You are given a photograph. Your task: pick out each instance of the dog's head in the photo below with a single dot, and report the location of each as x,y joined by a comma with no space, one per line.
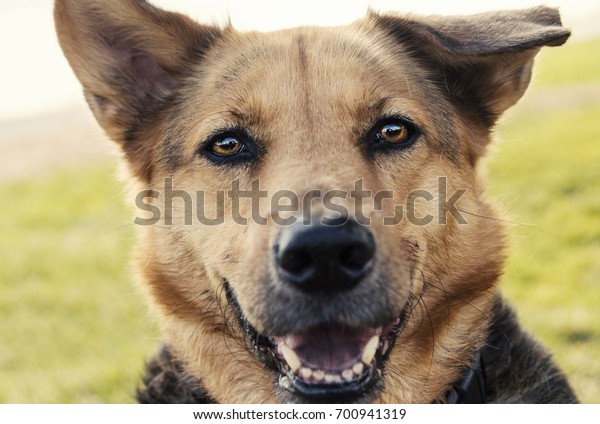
319,232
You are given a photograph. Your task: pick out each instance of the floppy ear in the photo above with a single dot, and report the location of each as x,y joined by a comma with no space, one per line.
130,58
482,61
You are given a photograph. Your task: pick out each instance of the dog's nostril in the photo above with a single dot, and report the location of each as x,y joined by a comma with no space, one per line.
295,261
355,257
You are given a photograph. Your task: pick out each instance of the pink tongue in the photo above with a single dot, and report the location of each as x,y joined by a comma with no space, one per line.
332,348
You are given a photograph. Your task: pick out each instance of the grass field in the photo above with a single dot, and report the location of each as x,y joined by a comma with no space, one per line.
73,328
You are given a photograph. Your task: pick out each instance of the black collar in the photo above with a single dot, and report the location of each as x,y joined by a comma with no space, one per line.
471,388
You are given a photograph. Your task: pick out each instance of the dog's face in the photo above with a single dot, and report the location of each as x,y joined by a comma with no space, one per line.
319,231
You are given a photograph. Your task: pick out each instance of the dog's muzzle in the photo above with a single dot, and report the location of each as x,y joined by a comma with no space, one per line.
331,361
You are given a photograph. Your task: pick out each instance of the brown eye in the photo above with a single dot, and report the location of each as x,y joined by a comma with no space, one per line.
227,146
394,132
230,147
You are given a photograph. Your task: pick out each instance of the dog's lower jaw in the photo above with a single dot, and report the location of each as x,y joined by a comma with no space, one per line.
371,396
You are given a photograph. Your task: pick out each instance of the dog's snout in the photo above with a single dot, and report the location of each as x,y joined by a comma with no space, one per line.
325,257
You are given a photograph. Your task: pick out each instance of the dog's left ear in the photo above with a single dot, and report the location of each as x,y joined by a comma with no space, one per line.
482,61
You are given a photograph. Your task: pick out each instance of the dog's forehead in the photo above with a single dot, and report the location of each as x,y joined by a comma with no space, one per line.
317,70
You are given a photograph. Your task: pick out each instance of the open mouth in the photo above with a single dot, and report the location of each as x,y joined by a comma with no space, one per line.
329,364
332,361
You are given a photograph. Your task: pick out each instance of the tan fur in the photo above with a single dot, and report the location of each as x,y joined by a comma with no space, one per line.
305,93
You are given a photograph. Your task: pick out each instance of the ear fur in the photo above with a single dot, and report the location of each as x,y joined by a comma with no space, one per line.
130,58
483,61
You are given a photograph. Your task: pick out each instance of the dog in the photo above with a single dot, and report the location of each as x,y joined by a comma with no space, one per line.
314,224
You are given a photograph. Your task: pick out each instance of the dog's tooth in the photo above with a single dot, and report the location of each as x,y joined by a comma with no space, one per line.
305,373
386,346
318,375
370,350
285,382
332,378
290,357
358,368
348,375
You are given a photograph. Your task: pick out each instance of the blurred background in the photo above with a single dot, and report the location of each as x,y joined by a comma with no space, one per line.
73,327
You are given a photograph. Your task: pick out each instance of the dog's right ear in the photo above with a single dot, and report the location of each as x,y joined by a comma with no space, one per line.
130,58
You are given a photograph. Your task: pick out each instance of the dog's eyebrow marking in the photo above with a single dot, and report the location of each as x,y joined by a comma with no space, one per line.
378,106
246,119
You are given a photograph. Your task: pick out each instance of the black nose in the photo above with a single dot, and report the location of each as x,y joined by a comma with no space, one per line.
325,257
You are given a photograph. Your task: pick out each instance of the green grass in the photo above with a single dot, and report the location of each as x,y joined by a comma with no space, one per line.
574,63
547,170
73,327
75,330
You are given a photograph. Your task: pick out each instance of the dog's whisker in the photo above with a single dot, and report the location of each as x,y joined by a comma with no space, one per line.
504,221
